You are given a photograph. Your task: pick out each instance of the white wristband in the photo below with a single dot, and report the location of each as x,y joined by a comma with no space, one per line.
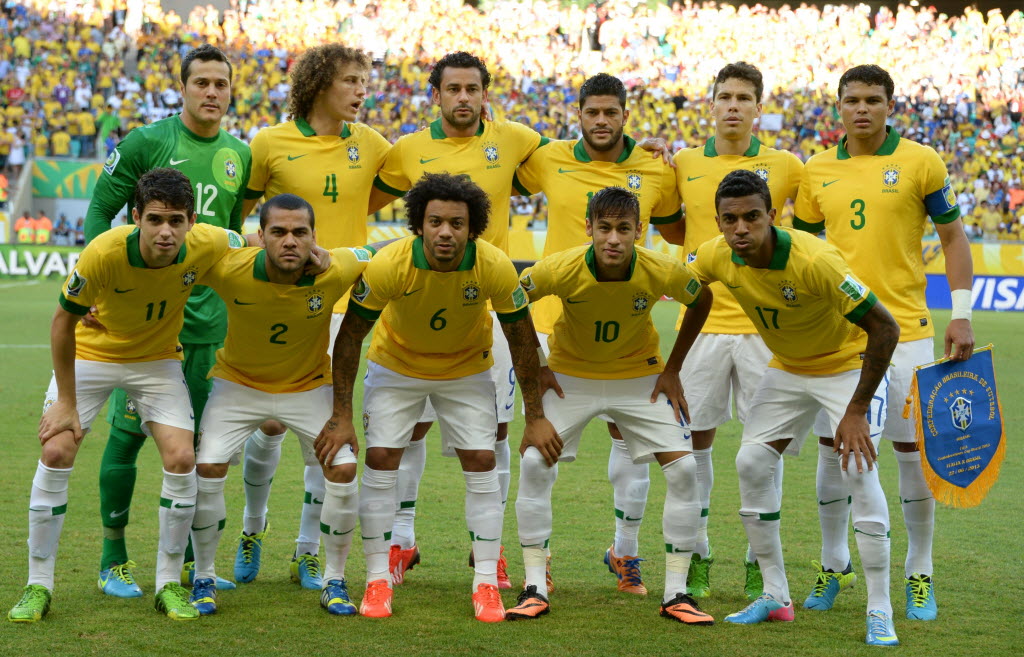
961,304
541,358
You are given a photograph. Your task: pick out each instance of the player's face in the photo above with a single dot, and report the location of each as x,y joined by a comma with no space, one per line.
864,109
288,239
445,233
345,96
162,231
734,108
461,97
614,237
746,225
601,120
207,93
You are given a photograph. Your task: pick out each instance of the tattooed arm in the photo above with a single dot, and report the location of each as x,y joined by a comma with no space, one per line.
522,342
339,431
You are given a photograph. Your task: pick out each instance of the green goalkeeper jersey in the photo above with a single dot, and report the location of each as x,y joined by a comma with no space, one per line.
219,169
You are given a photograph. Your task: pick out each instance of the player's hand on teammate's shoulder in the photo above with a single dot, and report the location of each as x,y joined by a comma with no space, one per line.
668,383
319,261
853,441
90,320
546,380
336,433
58,418
658,147
541,434
959,339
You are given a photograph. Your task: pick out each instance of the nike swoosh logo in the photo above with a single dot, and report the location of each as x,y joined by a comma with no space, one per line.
199,529
841,499
337,533
118,514
422,161
243,303
316,501
509,406
826,184
117,291
920,500
405,294
567,300
561,170
625,517
174,162
733,287
489,540
692,178
178,505
295,157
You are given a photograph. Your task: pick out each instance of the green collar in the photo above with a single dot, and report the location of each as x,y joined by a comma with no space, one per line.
591,261
783,244
259,271
581,155
135,252
888,147
308,131
437,130
752,150
419,259
184,128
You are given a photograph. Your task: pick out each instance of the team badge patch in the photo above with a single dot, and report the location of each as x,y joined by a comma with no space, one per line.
47,403
634,180
470,291
75,285
691,257
235,241
315,301
366,420
527,283
852,288
129,405
960,413
112,160
361,290
788,291
188,278
762,173
353,153
362,255
640,302
227,169
693,287
891,176
491,152
519,297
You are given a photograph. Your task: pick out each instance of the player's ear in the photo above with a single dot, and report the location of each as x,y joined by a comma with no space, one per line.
259,234
590,228
191,219
435,96
135,216
771,216
639,231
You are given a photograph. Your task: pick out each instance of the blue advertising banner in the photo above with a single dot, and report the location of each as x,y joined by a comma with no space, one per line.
988,292
959,427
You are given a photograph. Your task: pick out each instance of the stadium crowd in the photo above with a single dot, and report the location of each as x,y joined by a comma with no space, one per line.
66,89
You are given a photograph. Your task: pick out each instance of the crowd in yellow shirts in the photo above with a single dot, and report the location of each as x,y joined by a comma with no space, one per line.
64,87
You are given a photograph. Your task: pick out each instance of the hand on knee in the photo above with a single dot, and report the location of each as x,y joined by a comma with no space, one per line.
59,451
340,474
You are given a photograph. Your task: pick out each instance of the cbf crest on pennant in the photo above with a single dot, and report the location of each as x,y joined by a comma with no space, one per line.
959,424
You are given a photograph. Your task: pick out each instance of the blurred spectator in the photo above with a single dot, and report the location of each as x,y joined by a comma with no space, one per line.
43,228
25,229
62,231
79,234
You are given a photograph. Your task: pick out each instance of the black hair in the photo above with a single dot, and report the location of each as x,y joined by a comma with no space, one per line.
458,59
286,202
743,182
169,186
741,71
446,187
603,84
614,201
204,53
870,74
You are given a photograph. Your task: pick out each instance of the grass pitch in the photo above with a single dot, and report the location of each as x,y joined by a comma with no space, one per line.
977,551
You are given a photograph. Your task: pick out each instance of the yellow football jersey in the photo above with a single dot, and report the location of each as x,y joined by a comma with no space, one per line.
803,304
489,158
142,308
605,330
699,171
874,208
568,177
277,334
332,173
435,325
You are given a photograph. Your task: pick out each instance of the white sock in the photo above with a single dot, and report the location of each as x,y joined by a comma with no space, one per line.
177,509
337,524
630,483
833,510
533,515
779,469
376,514
410,471
308,541
208,524
262,454
679,522
918,513
503,464
705,480
760,512
47,506
871,529
484,520
535,563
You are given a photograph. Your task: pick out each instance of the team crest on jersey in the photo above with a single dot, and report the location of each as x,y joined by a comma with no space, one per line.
112,160
366,420
227,168
762,173
353,153
361,290
75,285
314,302
129,405
788,291
188,277
640,302
491,152
47,403
470,292
634,180
891,177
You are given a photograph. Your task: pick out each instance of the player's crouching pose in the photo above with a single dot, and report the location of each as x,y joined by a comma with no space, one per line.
274,366
804,301
434,342
138,278
604,349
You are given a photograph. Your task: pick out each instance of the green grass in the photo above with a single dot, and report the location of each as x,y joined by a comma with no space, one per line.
977,552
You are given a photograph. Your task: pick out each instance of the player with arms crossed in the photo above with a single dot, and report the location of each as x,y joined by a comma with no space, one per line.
604,351
274,365
139,279
873,194
434,342
218,166
323,156
729,357
570,174
831,340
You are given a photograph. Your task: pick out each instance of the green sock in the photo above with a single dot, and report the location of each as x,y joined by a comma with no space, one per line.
117,483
